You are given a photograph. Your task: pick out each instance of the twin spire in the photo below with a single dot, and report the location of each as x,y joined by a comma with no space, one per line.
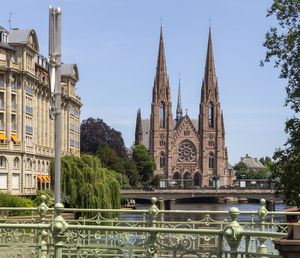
161,83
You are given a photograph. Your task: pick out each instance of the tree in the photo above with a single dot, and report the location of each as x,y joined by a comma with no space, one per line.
144,162
94,131
131,172
282,43
241,170
109,158
87,184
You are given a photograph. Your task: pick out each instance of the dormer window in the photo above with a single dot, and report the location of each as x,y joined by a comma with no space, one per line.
3,36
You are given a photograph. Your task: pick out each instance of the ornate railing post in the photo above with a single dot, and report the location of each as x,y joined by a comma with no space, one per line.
58,228
42,209
153,211
232,232
262,213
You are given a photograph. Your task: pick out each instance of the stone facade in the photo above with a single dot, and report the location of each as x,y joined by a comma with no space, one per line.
186,151
26,130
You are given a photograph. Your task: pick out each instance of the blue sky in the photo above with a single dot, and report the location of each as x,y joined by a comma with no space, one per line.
115,45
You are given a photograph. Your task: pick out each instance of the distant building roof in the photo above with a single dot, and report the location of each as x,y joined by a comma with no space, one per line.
252,163
2,29
67,70
18,36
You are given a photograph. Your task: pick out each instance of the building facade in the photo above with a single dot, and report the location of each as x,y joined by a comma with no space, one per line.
26,129
188,152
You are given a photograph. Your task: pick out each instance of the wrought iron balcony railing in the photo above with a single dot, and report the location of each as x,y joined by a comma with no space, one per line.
153,232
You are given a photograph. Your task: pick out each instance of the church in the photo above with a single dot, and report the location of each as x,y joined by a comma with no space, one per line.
188,152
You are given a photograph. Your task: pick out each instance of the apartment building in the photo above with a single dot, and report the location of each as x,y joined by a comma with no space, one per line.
26,129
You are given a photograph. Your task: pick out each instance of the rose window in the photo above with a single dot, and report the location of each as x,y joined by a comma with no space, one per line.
186,152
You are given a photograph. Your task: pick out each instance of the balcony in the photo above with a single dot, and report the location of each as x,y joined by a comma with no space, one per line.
28,129
14,106
29,109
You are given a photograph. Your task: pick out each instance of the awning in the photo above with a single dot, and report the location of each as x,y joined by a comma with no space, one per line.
40,178
45,179
49,178
15,138
2,136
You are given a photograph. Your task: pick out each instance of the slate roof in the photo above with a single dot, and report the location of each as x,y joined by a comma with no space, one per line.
6,46
18,36
2,28
67,69
252,163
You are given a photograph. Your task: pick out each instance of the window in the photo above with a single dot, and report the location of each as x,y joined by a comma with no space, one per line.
28,164
162,143
2,162
162,115
162,160
211,115
211,144
15,181
3,180
28,182
211,160
186,152
16,163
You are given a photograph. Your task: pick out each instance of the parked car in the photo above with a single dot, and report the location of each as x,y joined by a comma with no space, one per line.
147,187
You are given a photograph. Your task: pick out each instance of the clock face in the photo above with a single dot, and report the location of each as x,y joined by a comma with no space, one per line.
162,136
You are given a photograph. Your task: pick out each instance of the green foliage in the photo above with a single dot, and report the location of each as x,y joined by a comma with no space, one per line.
282,43
131,172
109,158
242,172
8,200
144,162
87,184
155,180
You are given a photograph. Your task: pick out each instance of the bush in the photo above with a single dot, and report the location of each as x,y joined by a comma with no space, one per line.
8,200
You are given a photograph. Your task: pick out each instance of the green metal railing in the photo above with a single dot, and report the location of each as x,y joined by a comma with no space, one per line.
152,233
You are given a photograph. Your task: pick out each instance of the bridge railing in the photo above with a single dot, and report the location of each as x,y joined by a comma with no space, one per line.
145,233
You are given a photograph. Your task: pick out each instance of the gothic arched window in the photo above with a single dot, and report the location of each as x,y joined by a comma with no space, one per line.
162,160
211,114
162,115
211,160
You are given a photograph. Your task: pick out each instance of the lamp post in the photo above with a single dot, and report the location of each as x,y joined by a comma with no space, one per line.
55,86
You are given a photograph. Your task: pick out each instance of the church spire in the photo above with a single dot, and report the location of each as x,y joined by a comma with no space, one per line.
161,83
210,74
138,129
179,107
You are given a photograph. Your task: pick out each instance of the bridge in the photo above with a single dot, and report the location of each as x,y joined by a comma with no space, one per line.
176,194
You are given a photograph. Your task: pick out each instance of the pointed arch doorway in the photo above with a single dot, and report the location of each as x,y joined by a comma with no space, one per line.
197,180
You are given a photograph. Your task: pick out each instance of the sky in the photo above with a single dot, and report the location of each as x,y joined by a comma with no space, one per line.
115,46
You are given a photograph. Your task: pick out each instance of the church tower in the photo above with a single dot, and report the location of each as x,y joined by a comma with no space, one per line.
211,127
161,119
138,129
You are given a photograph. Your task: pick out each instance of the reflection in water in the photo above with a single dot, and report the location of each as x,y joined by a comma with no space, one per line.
206,207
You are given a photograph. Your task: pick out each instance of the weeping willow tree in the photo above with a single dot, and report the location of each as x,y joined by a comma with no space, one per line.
87,184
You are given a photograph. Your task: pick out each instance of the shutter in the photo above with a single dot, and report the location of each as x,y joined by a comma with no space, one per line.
15,181
3,181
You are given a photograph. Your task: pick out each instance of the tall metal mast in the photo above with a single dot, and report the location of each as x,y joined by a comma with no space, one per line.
55,86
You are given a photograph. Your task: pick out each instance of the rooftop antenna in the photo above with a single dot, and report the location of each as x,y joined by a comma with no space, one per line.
9,20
